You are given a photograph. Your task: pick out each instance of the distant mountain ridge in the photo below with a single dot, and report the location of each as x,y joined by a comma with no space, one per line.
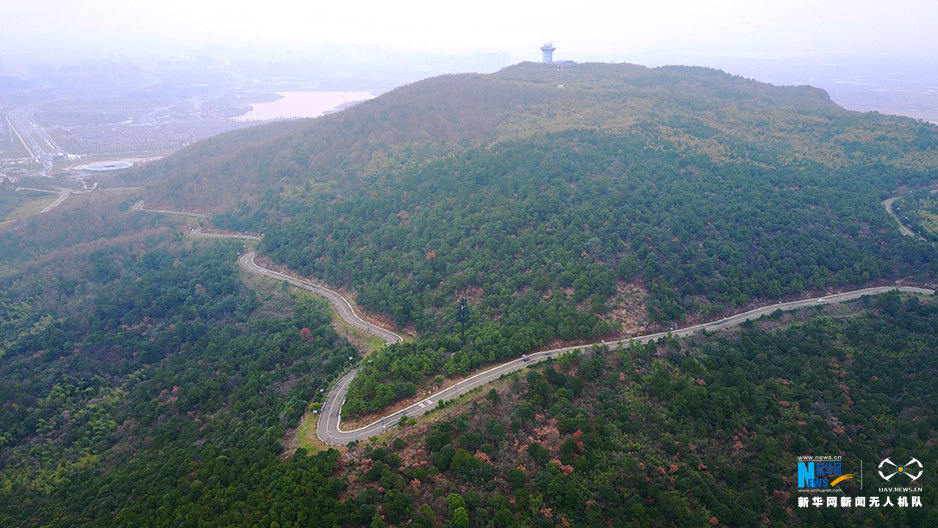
692,109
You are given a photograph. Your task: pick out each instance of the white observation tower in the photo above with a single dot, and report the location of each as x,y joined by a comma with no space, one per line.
548,50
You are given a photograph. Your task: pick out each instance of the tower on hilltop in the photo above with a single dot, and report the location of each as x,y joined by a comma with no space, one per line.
548,50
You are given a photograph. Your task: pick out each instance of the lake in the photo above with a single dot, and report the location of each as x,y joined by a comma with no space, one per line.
301,104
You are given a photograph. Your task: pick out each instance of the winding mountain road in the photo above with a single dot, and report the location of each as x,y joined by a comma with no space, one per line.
342,306
330,420
887,203
329,429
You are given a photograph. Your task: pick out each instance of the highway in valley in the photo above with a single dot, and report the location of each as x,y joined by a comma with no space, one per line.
329,428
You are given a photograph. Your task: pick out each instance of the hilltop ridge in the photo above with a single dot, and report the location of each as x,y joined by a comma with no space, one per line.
692,109
627,199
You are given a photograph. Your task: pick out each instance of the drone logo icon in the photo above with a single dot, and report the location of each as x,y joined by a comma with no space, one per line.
903,469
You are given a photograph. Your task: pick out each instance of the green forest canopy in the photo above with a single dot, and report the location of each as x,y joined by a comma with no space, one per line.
632,198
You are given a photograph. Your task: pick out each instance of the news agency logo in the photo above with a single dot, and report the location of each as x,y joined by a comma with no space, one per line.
888,469
818,476
821,473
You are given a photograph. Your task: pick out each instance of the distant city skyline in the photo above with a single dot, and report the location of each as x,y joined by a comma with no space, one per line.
591,30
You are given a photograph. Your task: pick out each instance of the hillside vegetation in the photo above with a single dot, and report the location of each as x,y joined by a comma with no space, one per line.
135,365
544,236
691,432
689,109
628,200
144,382
919,210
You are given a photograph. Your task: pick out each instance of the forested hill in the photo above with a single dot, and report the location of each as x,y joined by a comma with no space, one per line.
627,197
345,150
694,110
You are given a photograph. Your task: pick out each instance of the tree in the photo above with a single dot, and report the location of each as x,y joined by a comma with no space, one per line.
463,317
455,500
516,477
460,518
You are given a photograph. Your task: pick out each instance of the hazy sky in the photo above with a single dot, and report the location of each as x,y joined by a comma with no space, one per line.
582,30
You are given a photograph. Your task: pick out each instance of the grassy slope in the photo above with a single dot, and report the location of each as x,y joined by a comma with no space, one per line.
16,205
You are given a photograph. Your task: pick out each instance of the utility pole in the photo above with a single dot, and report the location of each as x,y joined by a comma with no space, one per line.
463,317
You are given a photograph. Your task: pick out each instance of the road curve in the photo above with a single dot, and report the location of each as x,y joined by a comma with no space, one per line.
330,420
329,429
336,397
64,193
61,191
341,305
887,203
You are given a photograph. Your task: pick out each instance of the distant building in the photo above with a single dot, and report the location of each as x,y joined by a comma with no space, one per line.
548,51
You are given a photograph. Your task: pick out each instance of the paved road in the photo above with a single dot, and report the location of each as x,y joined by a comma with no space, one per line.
342,306
23,140
197,232
329,428
35,138
64,193
36,189
61,191
887,203
139,207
